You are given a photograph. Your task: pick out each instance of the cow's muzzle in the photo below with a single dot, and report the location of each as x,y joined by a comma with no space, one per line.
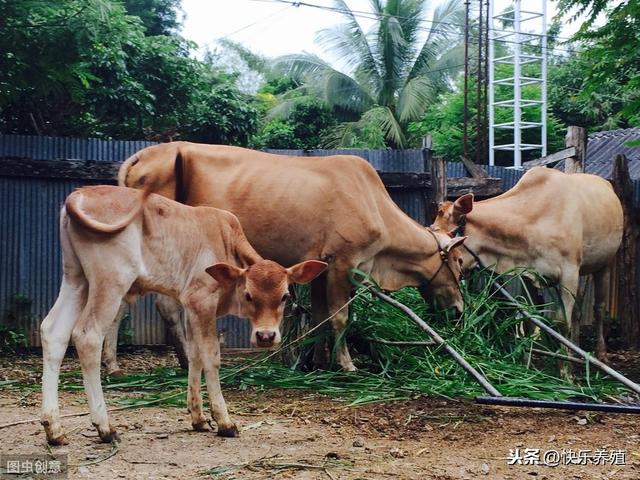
265,338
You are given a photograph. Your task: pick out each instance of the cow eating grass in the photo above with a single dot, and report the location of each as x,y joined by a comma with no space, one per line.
119,243
560,225
334,208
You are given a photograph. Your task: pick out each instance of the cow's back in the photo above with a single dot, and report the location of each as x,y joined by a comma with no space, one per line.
291,208
575,209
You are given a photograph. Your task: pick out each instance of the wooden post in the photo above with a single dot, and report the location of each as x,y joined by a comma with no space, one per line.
427,152
577,138
437,169
626,276
439,180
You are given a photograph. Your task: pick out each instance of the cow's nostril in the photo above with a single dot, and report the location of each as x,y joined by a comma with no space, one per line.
265,336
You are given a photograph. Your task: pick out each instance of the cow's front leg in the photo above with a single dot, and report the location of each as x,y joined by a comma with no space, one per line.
204,335
568,291
319,311
194,395
338,294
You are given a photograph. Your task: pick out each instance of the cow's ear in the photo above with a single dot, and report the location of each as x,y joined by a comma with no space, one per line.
304,272
224,273
463,204
453,243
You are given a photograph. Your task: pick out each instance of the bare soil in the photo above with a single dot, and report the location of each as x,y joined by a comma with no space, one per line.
298,435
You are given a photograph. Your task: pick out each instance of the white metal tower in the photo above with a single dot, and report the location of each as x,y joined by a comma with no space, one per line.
524,39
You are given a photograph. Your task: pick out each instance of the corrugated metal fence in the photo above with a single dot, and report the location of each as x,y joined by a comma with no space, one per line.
29,208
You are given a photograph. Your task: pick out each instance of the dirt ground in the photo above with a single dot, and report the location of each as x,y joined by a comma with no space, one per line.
297,435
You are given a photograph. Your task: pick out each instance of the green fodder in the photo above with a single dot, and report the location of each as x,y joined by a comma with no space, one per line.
486,335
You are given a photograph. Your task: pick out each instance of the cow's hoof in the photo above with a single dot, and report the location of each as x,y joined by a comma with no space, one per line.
58,441
230,432
350,368
602,356
118,372
200,426
109,437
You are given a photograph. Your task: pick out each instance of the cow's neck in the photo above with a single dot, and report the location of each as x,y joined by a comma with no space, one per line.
494,234
410,259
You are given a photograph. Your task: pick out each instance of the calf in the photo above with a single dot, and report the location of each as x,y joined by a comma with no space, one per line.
119,243
561,225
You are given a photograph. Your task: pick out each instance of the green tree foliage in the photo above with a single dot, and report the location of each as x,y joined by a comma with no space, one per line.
160,17
305,127
599,109
307,120
393,73
445,123
86,68
610,56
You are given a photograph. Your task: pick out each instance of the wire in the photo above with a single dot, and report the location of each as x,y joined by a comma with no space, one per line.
271,15
375,15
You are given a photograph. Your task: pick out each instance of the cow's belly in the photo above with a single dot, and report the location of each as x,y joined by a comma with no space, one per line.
286,243
598,255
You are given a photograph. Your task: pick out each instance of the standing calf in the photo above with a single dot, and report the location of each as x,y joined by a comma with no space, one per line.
118,243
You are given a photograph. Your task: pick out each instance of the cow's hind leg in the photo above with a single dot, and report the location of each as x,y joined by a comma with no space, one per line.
88,337
55,332
170,311
602,287
110,348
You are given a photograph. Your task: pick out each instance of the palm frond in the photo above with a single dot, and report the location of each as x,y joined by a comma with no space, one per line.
340,90
340,136
443,33
300,65
391,46
350,42
335,88
384,118
286,104
414,98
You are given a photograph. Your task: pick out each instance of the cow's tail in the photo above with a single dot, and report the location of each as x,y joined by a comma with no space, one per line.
123,172
73,206
178,174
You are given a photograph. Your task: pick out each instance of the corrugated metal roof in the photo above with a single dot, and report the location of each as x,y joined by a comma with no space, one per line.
603,146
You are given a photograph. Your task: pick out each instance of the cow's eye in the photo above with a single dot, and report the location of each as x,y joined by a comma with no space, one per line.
247,295
285,297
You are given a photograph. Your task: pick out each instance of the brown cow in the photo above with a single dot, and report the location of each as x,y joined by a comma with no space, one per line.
295,208
117,244
560,225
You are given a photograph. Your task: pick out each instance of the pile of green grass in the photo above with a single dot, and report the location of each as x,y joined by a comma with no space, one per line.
485,335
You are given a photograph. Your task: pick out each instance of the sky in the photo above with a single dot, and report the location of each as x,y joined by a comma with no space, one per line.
272,28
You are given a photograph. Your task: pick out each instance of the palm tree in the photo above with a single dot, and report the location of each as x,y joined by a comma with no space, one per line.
390,75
